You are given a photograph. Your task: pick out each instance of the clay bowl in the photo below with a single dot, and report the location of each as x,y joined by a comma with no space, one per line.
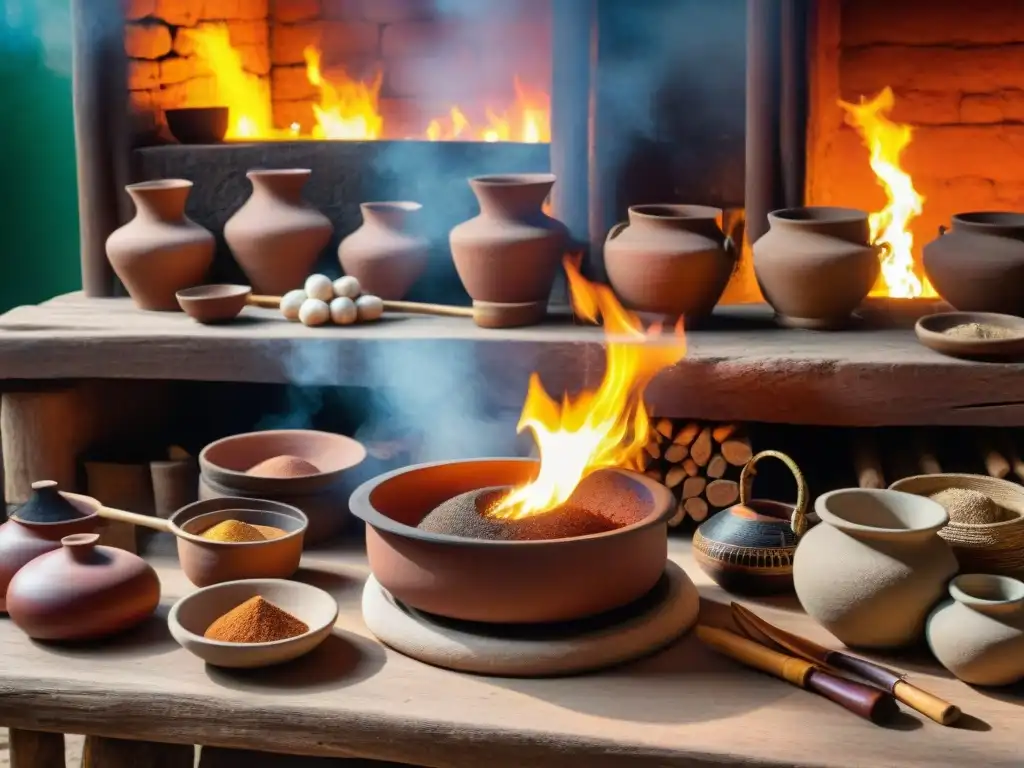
508,582
198,125
930,331
192,615
322,496
213,303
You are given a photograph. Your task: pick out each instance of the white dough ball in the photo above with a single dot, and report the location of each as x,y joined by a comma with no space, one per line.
319,287
347,287
314,312
343,311
369,308
291,302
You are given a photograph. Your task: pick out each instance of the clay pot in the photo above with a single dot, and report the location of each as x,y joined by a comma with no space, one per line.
276,236
978,635
670,259
323,497
511,252
749,547
22,541
161,251
978,265
874,567
384,254
506,581
816,264
82,591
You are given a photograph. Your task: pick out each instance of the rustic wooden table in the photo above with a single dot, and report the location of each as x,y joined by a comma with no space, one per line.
352,698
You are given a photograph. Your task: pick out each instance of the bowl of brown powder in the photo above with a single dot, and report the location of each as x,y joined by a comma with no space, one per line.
253,623
986,519
972,334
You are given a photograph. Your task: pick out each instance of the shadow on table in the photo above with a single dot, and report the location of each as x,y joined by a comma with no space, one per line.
150,638
342,659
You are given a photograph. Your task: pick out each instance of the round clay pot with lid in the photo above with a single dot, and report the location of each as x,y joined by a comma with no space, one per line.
816,264
874,566
161,251
670,259
82,591
511,252
978,634
978,264
386,254
22,541
276,236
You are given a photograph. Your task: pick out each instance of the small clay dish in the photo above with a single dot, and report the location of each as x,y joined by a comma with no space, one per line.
198,125
931,331
192,615
209,304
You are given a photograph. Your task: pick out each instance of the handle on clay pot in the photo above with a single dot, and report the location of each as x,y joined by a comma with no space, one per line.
798,522
616,230
133,518
882,249
943,229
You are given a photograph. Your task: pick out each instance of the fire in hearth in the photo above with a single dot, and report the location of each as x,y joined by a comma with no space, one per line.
886,141
348,109
606,427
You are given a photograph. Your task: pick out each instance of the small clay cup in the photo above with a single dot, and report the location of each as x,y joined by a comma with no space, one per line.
198,125
323,497
193,614
210,304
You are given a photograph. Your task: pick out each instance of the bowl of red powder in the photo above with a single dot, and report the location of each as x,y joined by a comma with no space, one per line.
253,623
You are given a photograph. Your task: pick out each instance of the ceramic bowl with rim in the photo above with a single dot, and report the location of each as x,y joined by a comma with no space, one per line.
510,582
210,304
198,125
931,331
193,614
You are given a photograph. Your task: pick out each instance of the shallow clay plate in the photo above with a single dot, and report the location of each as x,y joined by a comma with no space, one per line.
930,331
192,615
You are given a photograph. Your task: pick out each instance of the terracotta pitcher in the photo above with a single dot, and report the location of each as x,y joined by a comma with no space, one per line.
978,265
670,259
276,236
385,254
874,567
511,252
161,250
816,264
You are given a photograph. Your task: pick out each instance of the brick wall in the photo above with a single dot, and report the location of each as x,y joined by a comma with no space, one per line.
957,71
163,70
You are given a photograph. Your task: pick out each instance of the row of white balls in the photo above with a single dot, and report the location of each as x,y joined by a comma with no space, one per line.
341,302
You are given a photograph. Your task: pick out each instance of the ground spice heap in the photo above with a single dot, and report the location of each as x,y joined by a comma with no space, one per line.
46,505
981,331
969,507
255,621
282,467
236,531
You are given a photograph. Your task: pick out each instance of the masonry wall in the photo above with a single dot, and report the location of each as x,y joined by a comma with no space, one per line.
957,71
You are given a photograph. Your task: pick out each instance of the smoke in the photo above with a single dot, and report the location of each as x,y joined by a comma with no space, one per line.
37,28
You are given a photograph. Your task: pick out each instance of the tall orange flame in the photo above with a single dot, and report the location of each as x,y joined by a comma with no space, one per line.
606,427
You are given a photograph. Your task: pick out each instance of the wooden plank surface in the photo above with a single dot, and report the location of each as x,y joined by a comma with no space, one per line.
685,706
741,368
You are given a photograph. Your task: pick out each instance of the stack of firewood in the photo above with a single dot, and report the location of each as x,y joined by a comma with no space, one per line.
700,462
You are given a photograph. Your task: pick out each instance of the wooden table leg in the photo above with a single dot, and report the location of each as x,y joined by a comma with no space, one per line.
117,753
33,749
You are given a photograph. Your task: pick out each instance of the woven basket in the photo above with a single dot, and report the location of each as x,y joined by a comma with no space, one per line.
991,548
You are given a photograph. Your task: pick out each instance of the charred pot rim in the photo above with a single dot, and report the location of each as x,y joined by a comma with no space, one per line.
663,211
662,504
815,214
995,220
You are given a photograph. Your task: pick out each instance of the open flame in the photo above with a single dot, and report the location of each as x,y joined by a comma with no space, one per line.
606,427
886,141
348,109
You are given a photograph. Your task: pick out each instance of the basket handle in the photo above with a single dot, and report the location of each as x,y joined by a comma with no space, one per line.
798,522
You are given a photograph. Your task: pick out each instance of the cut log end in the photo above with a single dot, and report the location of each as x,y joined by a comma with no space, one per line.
737,451
701,449
722,493
716,467
696,508
675,453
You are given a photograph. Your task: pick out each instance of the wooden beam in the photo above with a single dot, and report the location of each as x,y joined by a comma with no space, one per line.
32,749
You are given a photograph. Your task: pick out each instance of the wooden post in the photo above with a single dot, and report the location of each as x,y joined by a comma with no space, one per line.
99,84
117,753
34,749
762,113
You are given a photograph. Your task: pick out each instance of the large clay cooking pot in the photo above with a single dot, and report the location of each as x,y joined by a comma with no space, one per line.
511,252
816,264
873,568
978,265
670,259
506,581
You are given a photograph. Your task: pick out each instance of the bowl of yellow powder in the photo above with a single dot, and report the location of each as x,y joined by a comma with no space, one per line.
254,622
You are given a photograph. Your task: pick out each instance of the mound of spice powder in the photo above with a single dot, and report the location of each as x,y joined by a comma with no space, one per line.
283,467
255,621
236,531
981,331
